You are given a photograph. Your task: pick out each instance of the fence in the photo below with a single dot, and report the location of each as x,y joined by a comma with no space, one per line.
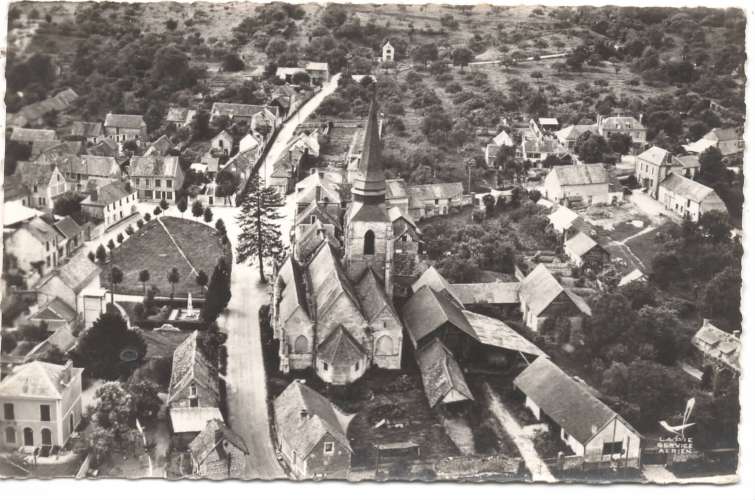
496,467
581,463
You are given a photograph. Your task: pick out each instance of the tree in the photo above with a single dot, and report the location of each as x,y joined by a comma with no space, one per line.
111,244
260,233
591,148
202,279
171,24
145,399
120,238
116,277
218,292
182,205
212,343
720,297
715,225
91,256
666,269
461,57
101,254
711,166
208,215
109,349
620,143
147,217
144,279
164,204
197,209
157,211
232,62
220,226
424,53
173,279
113,410
68,203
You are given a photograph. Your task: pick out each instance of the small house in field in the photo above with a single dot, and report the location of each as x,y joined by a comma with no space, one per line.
388,52
593,431
442,377
582,250
688,198
727,140
123,128
312,433
578,184
218,453
223,143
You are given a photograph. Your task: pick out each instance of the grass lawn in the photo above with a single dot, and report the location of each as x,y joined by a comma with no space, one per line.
646,247
161,245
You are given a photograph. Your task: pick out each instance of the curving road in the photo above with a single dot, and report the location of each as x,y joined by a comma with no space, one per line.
246,381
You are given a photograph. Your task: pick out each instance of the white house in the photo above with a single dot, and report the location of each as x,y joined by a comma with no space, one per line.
222,142
655,164
110,203
389,52
588,182
688,198
591,429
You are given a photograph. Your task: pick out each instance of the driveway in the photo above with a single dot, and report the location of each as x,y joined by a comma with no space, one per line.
652,208
532,460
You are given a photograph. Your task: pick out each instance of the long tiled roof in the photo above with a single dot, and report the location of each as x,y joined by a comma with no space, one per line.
32,135
242,110
693,190
86,129
191,366
303,417
37,380
154,166
107,194
124,121
77,273
495,332
568,402
192,419
395,188
329,282
579,175
498,292
421,194
293,294
340,349
427,310
372,297
540,288
432,278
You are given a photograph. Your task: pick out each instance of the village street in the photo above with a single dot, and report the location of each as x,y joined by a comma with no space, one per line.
247,387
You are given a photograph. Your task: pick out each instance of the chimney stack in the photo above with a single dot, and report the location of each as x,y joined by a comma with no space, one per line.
705,321
67,373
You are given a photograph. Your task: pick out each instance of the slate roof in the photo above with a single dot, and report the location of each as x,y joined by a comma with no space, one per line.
579,175
370,177
192,419
441,374
328,281
14,188
621,123
154,166
38,147
76,274
427,310
718,344
36,379
34,111
211,438
580,244
68,227
371,292
240,110
190,365
95,166
124,121
432,278
689,189
32,135
53,310
87,129
107,194
494,332
497,292
293,294
540,288
40,229
395,188
568,402
503,139
339,348
572,132
654,155
105,147
303,417
161,146
422,194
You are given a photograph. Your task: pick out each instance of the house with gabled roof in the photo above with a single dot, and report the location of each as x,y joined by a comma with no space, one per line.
568,135
717,354
432,278
542,296
588,426
194,380
442,378
34,114
218,452
312,433
41,405
586,183
34,243
388,52
91,132
124,128
627,125
428,200
180,116
655,164
160,146
110,203
688,198
31,135
253,114
72,233
156,177
54,313
44,182
727,140
222,142
69,281
582,250
100,169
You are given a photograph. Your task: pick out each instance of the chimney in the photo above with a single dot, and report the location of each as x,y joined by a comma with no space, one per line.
318,193
321,174
706,322
303,414
67,373
640,118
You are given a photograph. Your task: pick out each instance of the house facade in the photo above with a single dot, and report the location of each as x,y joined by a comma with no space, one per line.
542,296
627,125
655,164
35,245
587,184
156,177
44,182
388,52
688,198
218,453
90,168
124,128
69,281
110,203
41,405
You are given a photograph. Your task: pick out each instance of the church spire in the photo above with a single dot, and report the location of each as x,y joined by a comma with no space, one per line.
369,181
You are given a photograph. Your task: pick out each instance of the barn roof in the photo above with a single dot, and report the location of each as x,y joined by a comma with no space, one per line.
427,310
441,375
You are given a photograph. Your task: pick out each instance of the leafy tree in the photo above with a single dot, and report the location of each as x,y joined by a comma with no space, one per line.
91,256
260,234
101,254
232,62
715,225
218,292
424,53
461,57
173,279
620,143
721,297
144,395
147,217
114,411
107,350
666,269
711,166
69,203
197,209
120,238
111,244
171,24
211,342
116,277
52,355
144,279
157,211
164,204
591,148
220,226
208,215
182,205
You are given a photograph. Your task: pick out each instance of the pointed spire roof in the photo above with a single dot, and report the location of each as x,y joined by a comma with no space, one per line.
369,181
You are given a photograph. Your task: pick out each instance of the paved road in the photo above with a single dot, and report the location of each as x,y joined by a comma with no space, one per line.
246,380
532,460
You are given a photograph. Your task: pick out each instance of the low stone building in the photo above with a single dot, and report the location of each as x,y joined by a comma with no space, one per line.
583,251
580,184
688,198
218,453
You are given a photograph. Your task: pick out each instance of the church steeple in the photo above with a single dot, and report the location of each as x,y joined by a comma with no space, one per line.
368,185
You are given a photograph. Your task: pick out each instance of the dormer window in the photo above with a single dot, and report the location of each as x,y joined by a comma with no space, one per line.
328,448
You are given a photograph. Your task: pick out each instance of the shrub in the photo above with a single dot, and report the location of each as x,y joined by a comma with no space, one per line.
157,211
140,223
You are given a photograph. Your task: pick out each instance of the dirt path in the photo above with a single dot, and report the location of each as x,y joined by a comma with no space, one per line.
532,460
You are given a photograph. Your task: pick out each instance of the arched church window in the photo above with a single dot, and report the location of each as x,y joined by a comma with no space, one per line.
301,345
369,243
385,346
